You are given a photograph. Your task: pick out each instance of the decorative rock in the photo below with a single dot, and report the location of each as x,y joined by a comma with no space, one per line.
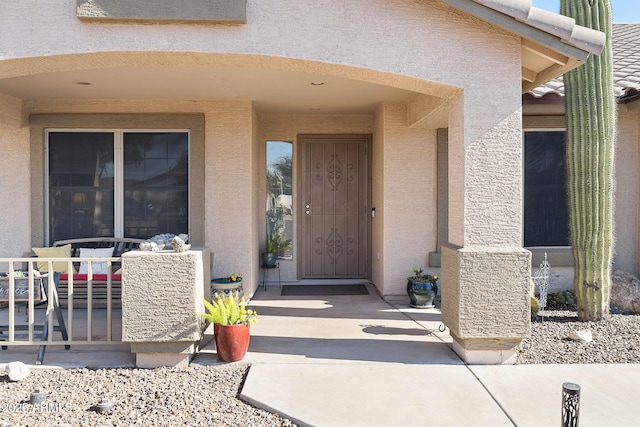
104,406
17,371
179,245
37,397
584,336
625,292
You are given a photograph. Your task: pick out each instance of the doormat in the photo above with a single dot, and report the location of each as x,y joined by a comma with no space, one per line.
313,290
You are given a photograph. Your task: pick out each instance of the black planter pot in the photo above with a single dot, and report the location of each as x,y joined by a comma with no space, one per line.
269,259
422,292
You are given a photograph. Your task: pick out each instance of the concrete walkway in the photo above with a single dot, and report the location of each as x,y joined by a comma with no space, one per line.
360,361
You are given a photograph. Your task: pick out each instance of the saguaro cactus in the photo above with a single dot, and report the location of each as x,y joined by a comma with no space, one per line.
591,136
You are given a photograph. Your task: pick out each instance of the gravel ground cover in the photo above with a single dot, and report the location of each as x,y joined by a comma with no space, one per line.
191,396
615,340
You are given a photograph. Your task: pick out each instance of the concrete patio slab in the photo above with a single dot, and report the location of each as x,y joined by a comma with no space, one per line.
532,394
373,395
340,329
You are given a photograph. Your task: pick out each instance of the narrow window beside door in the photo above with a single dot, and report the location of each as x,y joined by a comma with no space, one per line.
279,208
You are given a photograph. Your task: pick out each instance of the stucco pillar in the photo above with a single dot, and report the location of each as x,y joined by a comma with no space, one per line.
231,198
485,270
162,295
485,302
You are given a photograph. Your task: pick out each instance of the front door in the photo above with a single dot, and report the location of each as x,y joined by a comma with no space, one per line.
335,211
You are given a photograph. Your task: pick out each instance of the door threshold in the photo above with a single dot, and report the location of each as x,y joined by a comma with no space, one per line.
330,281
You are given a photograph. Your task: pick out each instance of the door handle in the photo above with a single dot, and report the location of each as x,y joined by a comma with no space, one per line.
307,208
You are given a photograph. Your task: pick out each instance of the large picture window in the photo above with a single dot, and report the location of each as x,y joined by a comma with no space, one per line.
546,218
117,183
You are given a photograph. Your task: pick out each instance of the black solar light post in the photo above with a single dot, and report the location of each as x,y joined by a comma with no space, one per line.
570,404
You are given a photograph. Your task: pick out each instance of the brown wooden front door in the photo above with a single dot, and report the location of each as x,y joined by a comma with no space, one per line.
335,211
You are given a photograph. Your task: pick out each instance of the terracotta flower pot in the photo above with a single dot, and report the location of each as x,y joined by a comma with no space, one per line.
232,341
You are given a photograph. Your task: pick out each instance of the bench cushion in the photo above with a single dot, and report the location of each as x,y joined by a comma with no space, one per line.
57,252
98,267
96,278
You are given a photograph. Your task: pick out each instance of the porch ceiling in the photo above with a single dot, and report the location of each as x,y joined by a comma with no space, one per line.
272,91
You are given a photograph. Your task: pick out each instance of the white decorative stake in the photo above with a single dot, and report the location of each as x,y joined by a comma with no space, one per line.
541,280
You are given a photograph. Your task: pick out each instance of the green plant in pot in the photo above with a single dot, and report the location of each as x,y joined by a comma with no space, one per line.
422,288
231,325
275,243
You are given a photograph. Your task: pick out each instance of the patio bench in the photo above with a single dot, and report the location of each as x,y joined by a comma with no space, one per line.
99,279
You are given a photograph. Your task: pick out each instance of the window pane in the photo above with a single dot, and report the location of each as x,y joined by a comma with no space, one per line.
156,184
280,191
80,185
546,215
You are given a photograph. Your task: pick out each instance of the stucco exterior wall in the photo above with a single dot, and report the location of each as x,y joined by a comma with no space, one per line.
229,183
356,33
485,163
627,192
409,207
15,224
377,199
167,308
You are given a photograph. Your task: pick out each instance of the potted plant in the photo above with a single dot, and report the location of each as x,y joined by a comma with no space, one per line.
231,321
275,243
223,286
422,288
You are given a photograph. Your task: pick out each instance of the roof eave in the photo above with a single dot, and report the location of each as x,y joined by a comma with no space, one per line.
542,67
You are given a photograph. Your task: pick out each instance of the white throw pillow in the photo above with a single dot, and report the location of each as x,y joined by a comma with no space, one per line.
96,267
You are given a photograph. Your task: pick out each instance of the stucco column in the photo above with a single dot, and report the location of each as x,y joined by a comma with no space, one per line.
162,295
485,302
485,270
232,228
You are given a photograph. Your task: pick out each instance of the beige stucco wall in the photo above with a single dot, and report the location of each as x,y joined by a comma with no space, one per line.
15,224
406,196
167,308
377,199
229,195
485,173
627,192
329,33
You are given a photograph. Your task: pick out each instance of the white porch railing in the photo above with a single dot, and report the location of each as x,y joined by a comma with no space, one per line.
22,285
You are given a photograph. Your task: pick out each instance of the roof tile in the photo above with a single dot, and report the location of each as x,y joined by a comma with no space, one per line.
560,26
626,62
